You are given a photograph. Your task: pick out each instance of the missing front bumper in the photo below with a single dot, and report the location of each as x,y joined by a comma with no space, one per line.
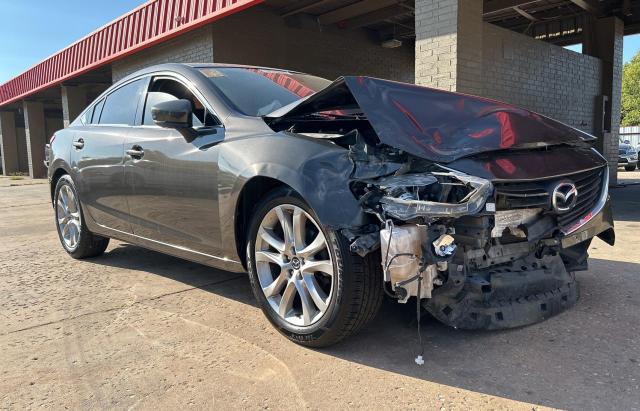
507,297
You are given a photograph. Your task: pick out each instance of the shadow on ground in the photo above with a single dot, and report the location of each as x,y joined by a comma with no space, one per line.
575,360
626,197
626,203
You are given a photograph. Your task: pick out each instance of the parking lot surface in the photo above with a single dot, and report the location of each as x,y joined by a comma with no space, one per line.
138,329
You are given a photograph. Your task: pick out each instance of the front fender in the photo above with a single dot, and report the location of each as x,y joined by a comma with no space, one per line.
58,164
323,184
319,172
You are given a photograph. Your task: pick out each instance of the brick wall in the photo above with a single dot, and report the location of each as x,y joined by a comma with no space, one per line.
611,144
448,48
258,36
436,43
470,47
550,80
193,47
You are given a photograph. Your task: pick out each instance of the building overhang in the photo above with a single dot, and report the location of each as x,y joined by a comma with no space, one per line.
561,22
152,22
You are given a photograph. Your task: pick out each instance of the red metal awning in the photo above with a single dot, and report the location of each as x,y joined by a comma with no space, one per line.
151,23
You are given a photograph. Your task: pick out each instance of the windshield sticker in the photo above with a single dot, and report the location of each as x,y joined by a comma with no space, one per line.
211,72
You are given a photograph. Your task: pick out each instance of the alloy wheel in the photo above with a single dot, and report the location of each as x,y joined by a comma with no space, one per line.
68,217
294,265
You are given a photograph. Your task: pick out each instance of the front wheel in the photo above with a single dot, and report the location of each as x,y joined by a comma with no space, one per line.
307,282
630,168
74,235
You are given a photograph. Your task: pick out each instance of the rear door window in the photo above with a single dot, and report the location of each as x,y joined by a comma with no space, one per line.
121,105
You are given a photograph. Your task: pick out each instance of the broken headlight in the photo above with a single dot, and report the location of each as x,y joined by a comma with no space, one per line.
428,195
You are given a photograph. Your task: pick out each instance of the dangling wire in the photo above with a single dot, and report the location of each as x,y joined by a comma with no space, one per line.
389,225
419,359
386,265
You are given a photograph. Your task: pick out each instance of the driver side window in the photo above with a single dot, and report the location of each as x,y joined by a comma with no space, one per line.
164,89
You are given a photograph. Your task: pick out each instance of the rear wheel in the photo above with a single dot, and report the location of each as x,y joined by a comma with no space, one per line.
74,235
307,282
630,168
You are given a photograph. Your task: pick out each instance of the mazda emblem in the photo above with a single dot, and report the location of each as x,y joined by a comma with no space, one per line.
564,196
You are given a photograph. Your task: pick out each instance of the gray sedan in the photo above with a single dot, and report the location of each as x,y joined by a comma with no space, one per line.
333,194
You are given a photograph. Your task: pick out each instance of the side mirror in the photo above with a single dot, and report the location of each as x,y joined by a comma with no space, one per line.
173,114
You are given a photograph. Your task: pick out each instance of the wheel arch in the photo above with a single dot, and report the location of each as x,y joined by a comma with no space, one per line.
318,176
253,191
55,176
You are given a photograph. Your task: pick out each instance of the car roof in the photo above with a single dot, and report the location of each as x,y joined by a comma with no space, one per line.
231,65
186,67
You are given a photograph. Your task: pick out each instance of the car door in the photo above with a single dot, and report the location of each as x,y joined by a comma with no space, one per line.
98,156
174,189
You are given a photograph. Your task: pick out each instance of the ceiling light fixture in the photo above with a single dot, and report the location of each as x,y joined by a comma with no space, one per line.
391,43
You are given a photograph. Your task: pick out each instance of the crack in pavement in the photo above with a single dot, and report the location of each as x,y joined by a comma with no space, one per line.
122,307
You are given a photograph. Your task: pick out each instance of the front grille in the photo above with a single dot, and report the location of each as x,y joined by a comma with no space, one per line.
589,184
521,195
537,194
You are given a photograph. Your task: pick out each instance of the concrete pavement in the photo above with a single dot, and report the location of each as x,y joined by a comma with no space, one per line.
137,329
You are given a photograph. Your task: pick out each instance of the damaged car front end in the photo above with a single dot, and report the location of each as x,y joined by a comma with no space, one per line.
482,210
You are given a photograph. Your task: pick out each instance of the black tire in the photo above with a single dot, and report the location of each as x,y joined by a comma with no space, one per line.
629,168
357,293
88,244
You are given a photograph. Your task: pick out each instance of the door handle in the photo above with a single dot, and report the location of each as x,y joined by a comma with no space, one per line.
135,152
78,144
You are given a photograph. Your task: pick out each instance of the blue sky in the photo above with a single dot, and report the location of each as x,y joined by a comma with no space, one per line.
32,30
631,47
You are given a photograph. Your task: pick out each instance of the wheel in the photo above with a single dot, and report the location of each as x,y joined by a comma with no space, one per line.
630,168
305,279
74,235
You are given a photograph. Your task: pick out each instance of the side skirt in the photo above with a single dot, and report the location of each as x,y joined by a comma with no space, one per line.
222,263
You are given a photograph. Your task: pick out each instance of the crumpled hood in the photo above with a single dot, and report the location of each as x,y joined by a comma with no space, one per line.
434,124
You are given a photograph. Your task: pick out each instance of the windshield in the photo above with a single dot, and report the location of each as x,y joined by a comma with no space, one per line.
257,91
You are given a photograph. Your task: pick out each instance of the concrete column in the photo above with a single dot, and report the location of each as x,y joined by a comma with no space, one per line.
35,134
449,44
23,157
9,143
52,124
604,40
74,100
